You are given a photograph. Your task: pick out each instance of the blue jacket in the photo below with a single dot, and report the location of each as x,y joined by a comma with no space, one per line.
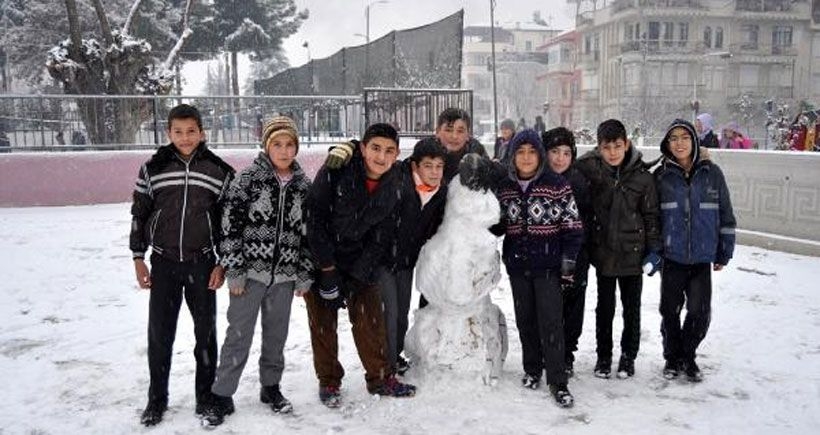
697,222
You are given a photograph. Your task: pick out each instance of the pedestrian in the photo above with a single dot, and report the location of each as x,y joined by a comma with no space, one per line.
704,124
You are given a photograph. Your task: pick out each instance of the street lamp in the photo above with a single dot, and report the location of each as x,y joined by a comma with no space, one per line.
307,47
367,38
492,49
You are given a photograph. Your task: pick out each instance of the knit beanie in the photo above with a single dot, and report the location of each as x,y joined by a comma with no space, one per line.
559,136
280,125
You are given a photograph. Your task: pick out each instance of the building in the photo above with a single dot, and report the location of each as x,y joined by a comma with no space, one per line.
562,79
649,61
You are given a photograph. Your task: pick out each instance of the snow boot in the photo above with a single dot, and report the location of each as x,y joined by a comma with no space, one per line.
153,412
562,396
671,369
603,368
394,388
626,368
219,407
691,370
531,381
330,396
272,395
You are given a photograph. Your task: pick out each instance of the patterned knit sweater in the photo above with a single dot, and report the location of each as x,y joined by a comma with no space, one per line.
264,232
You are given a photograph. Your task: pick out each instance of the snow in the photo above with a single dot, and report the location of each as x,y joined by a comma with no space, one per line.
73,352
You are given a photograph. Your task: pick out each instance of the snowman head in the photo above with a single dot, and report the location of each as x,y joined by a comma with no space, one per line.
469,198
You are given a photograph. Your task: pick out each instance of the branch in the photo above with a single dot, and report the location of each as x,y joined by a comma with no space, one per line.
131,14
106,28
186,32
186,16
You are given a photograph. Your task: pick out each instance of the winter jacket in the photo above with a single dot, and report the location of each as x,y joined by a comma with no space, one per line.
710,140
454,158
264,236
625,204
349,228
580,190
541,223
500,150
697,222
416,224
176,204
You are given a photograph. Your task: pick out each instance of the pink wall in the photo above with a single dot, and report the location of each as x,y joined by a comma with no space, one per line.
91,177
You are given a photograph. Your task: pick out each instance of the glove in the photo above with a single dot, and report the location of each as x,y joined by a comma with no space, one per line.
340,154
330,289
651,263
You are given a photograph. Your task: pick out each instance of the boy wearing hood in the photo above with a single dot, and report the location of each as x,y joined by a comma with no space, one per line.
622,238
698,230
543,233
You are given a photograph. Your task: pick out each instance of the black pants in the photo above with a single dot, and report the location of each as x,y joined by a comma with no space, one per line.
574,299
605,312
691,284
539,318
168,279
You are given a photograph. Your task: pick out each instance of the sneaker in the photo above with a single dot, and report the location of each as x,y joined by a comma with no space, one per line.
692,371
153,412
671,369
216,411
562,396
626,368
402,365
531,381
603,368
394,388
272,395
330,396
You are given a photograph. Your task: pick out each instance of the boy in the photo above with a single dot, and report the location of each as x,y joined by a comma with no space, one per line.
351,223
507,130
692,190
622,238
176,205
543,234
420,215
561,153
267,261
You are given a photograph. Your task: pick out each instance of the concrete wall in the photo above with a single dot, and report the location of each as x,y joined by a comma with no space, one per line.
776,195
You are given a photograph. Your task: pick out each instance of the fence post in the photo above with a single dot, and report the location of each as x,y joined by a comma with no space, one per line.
42,123
156,120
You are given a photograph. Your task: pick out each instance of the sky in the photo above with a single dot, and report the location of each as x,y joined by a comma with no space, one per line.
73,347
333,24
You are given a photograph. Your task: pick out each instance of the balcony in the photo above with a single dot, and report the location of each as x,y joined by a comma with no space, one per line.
620,5
561,68
763,5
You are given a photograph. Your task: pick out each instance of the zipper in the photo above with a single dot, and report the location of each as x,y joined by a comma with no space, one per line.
688,204
154,225
210,229
184,207
280,224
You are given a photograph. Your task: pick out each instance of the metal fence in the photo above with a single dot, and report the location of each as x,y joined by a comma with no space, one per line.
124,122
79,122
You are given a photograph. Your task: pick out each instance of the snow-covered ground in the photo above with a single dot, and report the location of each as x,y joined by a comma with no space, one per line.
73,354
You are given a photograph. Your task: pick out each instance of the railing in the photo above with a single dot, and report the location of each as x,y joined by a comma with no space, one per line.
620,5
763,5
413,112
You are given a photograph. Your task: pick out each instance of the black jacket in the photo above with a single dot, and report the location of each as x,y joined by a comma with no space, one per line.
710,140
626,222
176,209
416,224
454,158
346,226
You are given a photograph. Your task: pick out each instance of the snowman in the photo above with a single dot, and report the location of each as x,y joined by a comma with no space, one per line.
461,330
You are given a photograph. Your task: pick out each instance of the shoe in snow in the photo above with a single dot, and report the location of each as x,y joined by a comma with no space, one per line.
692,371
671,369
216,411
531,381
568,367
402,365
562,396
330,396
626,368
394,388
272,395
153,412
603,368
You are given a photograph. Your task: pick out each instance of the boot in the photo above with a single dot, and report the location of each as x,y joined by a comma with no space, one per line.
272,395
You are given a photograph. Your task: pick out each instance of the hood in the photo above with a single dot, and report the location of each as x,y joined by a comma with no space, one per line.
531,137
707,122
692,132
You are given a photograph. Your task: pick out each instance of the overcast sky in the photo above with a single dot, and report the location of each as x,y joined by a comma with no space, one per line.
334,23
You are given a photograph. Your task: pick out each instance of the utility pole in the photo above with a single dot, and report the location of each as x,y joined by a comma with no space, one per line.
492,49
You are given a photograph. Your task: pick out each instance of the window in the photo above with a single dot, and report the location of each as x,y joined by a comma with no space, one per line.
596,46
654,34
718,37
668,33
781,39
683,34
749,76
707,37
748,36
528,46
629,30
587,44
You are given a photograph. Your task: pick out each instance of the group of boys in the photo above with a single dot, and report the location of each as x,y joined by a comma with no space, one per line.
365,219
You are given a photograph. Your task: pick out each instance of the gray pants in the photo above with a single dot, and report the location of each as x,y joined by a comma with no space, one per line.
396,292
274,302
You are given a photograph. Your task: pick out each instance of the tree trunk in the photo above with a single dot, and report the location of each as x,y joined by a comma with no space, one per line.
104,26
73,28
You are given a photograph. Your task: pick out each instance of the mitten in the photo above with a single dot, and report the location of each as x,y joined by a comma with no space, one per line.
651,263
340,154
